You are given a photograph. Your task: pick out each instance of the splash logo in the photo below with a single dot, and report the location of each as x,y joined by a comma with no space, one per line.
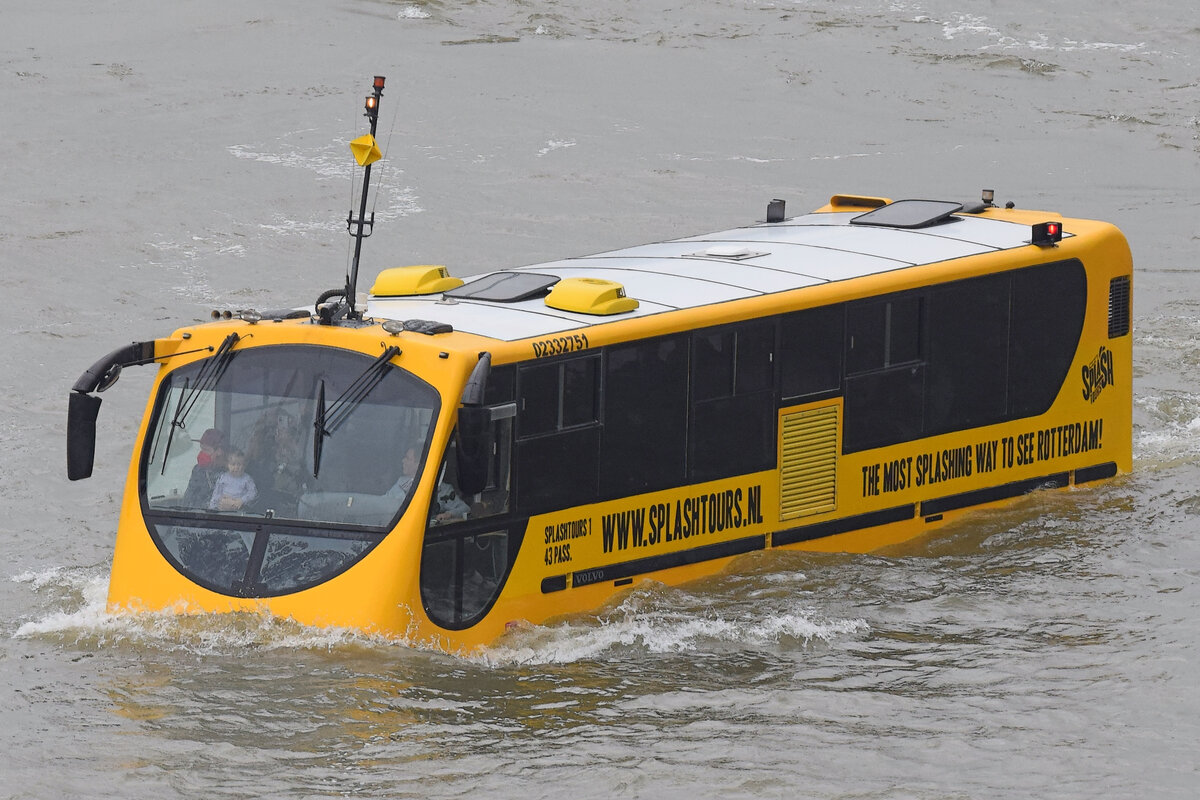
1098,374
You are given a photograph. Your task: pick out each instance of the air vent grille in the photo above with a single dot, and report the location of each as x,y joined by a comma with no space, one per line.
1118,307
808,457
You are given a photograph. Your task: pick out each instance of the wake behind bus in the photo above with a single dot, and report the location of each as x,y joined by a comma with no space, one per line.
458,456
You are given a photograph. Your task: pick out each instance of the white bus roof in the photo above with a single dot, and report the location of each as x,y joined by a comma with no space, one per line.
714,268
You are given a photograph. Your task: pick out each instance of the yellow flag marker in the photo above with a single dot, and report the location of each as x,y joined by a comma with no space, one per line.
365,150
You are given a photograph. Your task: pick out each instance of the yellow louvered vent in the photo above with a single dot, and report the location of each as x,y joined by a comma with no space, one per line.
808,462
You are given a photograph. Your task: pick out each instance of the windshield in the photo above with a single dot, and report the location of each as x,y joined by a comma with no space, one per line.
317,448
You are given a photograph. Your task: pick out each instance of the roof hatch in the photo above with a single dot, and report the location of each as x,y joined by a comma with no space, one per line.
909,214
505,287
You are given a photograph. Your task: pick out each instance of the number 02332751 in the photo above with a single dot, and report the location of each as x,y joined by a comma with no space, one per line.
559,345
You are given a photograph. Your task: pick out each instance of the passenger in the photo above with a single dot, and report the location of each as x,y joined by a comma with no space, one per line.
408,473
273,457
210,463
446,506
212,449
234,488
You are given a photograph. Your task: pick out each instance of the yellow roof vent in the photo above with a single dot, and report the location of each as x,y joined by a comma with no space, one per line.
420,279
590,296
844,202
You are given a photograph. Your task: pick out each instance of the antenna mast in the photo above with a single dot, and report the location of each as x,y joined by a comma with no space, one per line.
366,152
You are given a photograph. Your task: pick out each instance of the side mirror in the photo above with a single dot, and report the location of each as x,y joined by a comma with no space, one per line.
109,378
81,434
82,407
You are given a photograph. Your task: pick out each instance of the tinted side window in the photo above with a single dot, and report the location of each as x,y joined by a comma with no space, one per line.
559,395
968,354
754,367
731,427
904,330
883,407
644,445
501,385
810,351
537,405
884,391
732,436
865,330
883,333
579,384
712,364
1048,304
461,575
558,447
558,471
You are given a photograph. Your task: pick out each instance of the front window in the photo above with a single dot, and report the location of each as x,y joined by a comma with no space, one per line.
271,469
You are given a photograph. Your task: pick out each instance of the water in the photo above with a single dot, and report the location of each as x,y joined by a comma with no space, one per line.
161,160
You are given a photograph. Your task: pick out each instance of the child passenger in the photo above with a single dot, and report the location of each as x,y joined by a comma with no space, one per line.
234,488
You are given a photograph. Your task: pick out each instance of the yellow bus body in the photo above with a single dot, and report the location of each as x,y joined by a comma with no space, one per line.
816,497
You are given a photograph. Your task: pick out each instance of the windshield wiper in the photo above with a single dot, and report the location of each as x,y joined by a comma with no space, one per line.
209,374
319,433
327,420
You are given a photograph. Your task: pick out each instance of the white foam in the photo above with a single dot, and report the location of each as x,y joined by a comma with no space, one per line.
556,144
639,622
330,161
413,12
89,592
1175,430
962,25
840,156
282,225
658,632
83,615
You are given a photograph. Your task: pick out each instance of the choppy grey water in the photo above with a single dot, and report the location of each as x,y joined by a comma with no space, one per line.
162,159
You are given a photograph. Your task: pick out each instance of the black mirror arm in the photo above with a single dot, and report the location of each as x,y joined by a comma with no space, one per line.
100,376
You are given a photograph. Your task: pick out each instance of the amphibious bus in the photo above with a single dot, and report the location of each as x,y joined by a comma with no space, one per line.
465,455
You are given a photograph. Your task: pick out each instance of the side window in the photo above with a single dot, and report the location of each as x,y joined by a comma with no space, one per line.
1048,306
883,333
451,504
558,433
885,372
496,496
580,404
644,443
866,326
731,427
883,407
556,396
712,364
754,359
462,575
810,351
967,375
538,404
501,385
